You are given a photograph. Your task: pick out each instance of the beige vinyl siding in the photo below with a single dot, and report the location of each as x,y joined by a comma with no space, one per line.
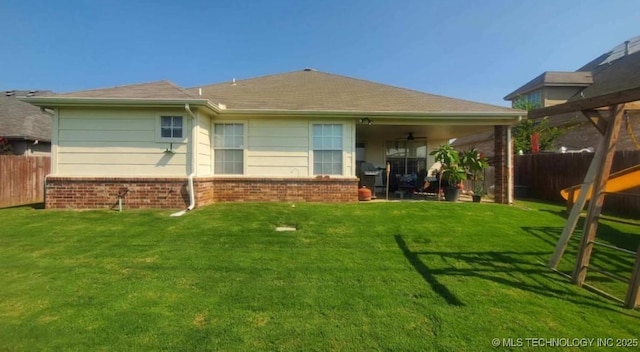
204,145
374,152
118,142
282,148
559,95
278,148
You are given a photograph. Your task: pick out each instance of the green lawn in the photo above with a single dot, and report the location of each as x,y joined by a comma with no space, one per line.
409,276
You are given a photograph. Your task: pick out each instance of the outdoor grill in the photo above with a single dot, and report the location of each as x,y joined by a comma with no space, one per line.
368,174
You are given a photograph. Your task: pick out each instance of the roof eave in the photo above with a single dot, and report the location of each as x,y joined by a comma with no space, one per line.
506,115
515,94
51,102
26,138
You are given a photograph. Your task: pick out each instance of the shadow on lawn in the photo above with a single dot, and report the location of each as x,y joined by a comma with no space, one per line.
34,206
522,270
606,233
615,262
427,274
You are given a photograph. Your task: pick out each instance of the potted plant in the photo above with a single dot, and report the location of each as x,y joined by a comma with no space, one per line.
450,170
474,163
478,192
454,175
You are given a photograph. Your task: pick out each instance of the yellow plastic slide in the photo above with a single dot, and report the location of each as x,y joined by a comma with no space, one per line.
618,182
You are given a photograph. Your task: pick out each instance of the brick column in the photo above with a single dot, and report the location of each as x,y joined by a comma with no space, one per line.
501,190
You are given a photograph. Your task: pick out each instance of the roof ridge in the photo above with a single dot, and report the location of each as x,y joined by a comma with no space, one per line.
244,79
118,86
181,89
356,79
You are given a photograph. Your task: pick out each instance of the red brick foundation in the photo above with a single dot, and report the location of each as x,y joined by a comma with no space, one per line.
94,192
284,189
103,192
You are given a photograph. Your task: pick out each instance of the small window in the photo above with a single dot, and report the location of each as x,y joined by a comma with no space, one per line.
327,149
171,127
228,144
535,98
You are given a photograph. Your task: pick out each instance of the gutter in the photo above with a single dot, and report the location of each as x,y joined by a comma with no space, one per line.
48,102
506,115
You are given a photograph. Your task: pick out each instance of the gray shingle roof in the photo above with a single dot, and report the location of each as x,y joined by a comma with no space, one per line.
305,90
613,71
553,78
318,91
151,90
21,93
23,120
621,74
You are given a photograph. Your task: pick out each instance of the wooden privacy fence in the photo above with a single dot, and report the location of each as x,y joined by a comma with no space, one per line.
22,179
543,175
487,183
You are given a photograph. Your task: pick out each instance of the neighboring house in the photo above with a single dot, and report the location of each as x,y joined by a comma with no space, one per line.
616,70
26,128
296,136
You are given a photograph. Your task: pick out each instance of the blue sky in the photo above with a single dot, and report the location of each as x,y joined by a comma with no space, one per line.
475,50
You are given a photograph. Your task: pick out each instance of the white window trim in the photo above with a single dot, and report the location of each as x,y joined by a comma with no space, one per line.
245,149
186,129
345,141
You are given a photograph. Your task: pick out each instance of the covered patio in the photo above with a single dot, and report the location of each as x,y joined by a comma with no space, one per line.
404,143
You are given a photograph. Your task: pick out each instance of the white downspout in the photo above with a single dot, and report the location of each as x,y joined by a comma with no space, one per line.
194,161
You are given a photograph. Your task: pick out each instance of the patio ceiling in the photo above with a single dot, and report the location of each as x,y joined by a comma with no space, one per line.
431,132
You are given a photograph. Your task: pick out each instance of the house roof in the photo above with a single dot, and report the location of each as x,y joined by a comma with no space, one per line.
311,90
616,70
21,93
474,138
20,120
623,49
150,90
551,79
151,94
306,92
614,76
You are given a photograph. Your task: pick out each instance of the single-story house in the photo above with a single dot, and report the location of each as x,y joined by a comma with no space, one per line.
616,70
296,136
24,128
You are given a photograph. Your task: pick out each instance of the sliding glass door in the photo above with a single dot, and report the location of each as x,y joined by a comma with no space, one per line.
407,156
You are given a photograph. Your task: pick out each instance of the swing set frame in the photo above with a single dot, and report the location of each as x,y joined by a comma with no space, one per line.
616,105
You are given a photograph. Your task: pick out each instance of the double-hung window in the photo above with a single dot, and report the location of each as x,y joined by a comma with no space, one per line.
327,149
228,144
171,127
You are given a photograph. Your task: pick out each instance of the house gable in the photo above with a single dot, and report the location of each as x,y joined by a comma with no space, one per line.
311,90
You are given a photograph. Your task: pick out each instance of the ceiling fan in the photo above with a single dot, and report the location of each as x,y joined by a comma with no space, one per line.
411,137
